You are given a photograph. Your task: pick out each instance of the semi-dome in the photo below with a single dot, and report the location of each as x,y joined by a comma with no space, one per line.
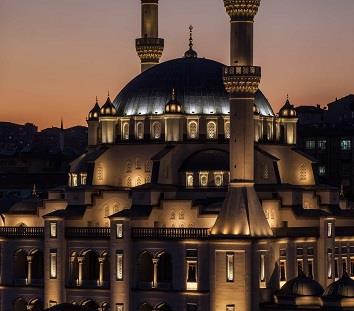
197,81
301,286
344,287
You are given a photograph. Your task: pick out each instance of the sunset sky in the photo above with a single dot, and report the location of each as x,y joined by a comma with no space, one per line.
57,55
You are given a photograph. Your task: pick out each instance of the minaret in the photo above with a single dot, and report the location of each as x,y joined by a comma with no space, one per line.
242,213
61,136
149,47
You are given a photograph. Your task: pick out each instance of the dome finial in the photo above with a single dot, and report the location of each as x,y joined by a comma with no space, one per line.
191,37
96,100
173,96
108,94
191,53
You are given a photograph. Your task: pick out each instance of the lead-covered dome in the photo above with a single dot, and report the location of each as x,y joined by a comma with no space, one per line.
197,81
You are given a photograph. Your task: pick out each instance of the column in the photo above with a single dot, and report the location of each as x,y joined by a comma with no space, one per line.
29,270
101,261
81,261
155,262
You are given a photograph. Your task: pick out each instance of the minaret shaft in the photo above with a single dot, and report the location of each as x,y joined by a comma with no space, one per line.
241,43
149,19
149,47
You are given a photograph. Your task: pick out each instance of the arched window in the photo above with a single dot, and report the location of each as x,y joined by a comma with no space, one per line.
37,266
211,130
303,172
90,268
125,131
140,130
99,173
145,269
173,215
129,166
148,166
193,129
190,180
164,269
20,266
227,130
106,210
203,179
181,214
129,181
218,179
138,163
138,181
156,130
116,208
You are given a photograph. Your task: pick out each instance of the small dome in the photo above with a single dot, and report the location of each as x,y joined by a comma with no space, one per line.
300,286
95,112
191,53
173,106
288,110
108,109
343,288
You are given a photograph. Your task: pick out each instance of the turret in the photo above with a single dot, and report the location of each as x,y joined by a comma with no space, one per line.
174,119
287,123
108,121
93,124
149,47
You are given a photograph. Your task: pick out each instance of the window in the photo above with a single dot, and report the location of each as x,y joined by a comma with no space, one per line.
211,130
218,179
83,178
336,268
148,166
310,144
125,131
300,265
119,231
53,229
189,179
74,180
192,269
351,267
230,267
329,263
266,171
173,215
138,181
227,130
282,272
262,278
345,144
329,229
192,307
99,173
140,130
181,215
129,181
344,264
129,166
193,129
321,170
53,263
119,263
322,144
120,307
302,172
138,164
310,268
203,179
230,308
156,130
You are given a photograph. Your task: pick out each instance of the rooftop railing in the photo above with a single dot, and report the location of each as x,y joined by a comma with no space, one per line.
170,233
87,233
22,232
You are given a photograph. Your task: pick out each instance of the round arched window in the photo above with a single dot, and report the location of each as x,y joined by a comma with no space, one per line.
156,130
204,180
227,130
193,129
140,130
211,129
218,180
139,181
125,131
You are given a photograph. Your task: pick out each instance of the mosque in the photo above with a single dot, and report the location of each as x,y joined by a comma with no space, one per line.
191,196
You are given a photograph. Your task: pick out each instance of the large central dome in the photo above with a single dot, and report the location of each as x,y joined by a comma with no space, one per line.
198,83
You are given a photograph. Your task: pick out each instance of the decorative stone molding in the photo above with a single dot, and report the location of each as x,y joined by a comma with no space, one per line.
242,8
242,79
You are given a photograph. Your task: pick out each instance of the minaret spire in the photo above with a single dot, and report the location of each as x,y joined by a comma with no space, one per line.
149,47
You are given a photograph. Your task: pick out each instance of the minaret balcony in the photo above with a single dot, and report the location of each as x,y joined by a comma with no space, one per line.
242,79
150,49
242,8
